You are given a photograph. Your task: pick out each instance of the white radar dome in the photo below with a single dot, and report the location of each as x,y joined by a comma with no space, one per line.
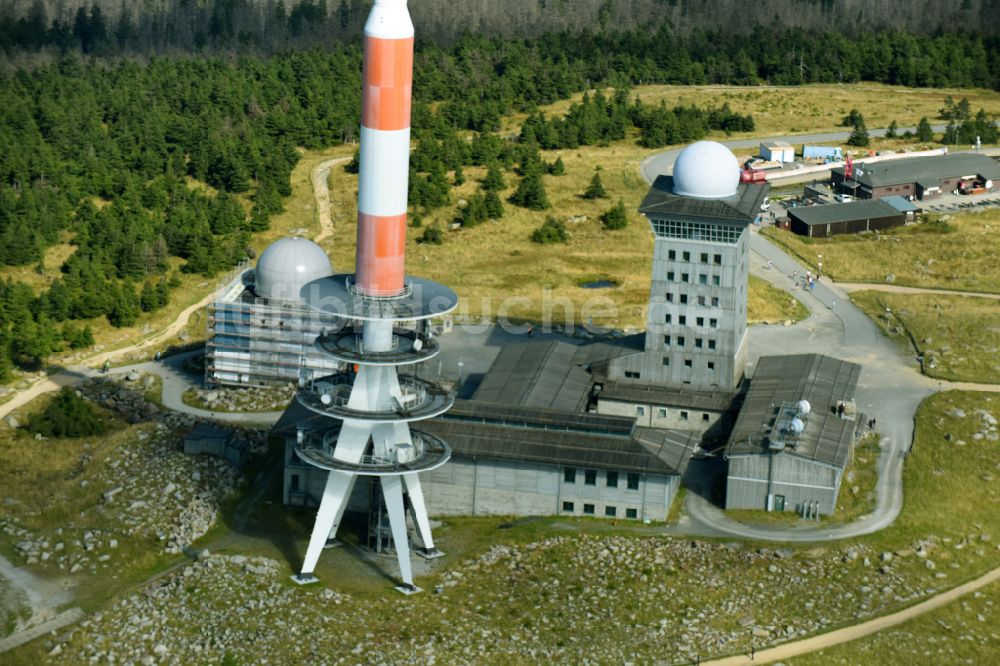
287,265
797,426
706,170
803,407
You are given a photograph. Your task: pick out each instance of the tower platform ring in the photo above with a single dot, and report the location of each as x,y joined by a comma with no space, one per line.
337,295
433,401
436,453
345,345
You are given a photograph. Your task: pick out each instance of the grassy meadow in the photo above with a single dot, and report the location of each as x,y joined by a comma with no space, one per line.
960,253
958,336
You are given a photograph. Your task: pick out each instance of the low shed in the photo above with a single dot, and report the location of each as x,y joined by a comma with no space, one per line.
845,218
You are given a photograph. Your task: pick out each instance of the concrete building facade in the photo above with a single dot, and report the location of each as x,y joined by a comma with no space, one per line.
697,321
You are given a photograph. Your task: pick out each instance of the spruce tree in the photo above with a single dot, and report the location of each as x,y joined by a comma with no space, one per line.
494,181
615,217
557,168
494,207
596,188
530,193
859,135
891,130
924,130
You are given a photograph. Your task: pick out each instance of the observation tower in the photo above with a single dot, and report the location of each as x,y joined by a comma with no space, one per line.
385,316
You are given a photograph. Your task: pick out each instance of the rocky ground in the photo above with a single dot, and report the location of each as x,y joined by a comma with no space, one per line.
12,608
555,599
147,492
241,399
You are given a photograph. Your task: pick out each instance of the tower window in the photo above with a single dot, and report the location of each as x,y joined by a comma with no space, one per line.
684,416
716,280
704,417
717,259
700,321
588,509
590,477
698,343
631,374
682,320
633,480
704,257
715,301
569,475
670,275
640,410
671,254
702,279
684,299
667,318
663,415
687,256
568,507
680,340
701,300
632,513
687,363
711,366
666,361
685,277
714,323
670,298
612,479
666,340
711,344
295,483
610,511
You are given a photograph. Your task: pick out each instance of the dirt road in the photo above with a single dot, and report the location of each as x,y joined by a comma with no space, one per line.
321,190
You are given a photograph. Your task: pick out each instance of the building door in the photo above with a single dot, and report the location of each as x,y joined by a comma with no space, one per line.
779,502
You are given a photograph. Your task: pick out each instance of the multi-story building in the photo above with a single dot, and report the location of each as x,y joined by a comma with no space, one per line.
697,323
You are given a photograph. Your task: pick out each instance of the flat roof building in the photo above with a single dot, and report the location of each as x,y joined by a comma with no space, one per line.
777,151
794,436
845,218
920,177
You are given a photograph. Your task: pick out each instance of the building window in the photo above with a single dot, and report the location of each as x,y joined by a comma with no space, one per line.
711,344
714,323
704,416
680,340
631,374
701,300
716,280
590,477
702,279
682,320
698,231
569,475
666,361
610,511
687,256
670,298
633,479
666,340
568,507
685,277
687,363
700,321
671,254
612,479
684,299
717,259
588,509
697,343
295,483
670,276
640,410
715,301
663,415
666,318
704,257
711,366
632,513
684,416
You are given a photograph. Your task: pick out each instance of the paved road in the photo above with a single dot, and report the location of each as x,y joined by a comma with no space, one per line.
850,287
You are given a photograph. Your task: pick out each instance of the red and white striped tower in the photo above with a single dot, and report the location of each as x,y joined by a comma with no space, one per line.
368,433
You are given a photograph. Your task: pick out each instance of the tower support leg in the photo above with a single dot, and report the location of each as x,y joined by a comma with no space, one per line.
392,489
335,496
419,509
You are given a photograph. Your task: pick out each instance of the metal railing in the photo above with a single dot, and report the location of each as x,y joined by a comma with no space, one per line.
376,294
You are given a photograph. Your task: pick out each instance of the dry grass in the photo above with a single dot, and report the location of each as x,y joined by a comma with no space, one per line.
958,336
814,108
495,263
767,304
961,254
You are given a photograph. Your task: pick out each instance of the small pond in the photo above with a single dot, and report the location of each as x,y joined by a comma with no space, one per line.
599,284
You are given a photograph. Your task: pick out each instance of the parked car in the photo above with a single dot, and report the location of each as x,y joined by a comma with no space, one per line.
843,198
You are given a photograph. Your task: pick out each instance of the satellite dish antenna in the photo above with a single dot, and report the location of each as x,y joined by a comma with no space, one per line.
326,398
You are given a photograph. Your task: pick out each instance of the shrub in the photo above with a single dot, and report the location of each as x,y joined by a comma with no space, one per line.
68,415
551,231
596,189
615,217
432,235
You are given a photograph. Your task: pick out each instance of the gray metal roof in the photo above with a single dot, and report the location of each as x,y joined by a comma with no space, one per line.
868,209
743,207
902,204
551,437
719,401
822,381
925,170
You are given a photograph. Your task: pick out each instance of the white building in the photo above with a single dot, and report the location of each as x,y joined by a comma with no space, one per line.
777,151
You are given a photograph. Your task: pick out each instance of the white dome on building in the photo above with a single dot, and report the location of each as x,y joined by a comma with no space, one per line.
706,170
287,265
